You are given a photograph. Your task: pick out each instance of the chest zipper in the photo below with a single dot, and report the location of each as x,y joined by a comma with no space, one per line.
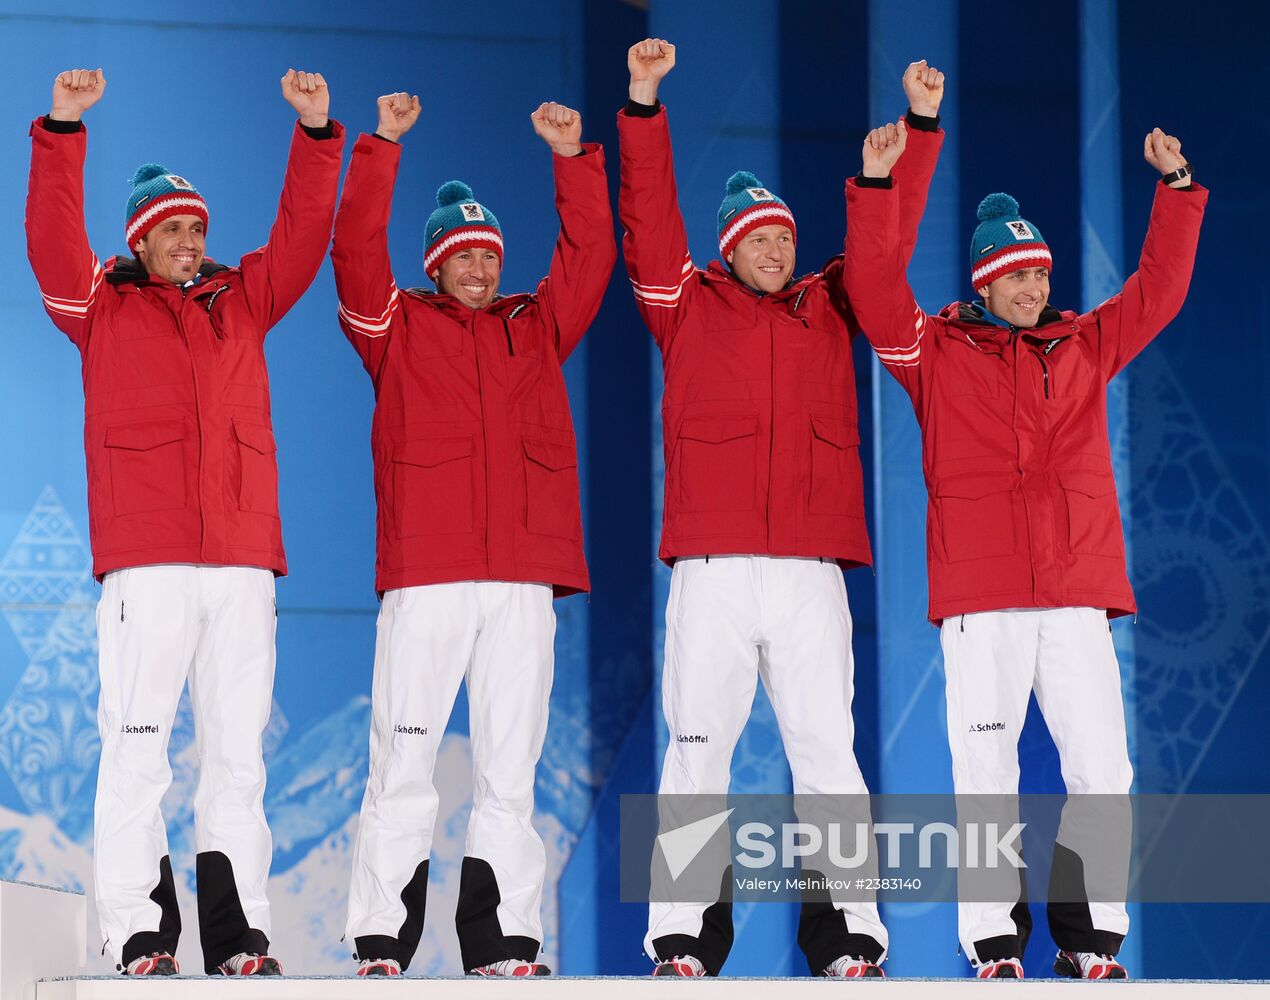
507,331
211,299
1045,375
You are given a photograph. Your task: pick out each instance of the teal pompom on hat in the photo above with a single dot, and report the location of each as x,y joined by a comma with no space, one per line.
1004,241
158,194
459,222
748,205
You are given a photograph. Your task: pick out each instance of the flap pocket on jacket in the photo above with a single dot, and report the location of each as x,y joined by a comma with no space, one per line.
429,453
551,456
257,437
716,430
835,432
143,437
1090,484
975,485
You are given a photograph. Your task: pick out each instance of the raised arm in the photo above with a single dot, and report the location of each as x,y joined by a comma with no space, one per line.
655,244
585,250
876,261
1153,295
277,274
67,270
369,307
924,88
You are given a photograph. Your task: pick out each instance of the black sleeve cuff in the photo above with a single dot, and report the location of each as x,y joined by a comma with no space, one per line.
886,183
61,128
637,110
384,138
921,122
327,131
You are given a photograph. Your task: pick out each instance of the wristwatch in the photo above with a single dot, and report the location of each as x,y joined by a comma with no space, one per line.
1183,171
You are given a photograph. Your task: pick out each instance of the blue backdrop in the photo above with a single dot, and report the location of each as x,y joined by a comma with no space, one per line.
1047,102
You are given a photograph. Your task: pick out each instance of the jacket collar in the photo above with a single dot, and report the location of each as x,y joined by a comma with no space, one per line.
719,273
123,270
456,310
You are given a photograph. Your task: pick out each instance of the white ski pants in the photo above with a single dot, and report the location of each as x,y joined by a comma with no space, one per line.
500,637
993,661
156,626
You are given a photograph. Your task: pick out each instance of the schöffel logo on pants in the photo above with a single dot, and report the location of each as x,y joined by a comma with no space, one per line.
131,730
986,727
410,730
692,738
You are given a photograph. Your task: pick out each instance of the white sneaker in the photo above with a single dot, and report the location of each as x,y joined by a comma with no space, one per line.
1002,968
1088,965
680,965
511,967
248,963
379,967
849,967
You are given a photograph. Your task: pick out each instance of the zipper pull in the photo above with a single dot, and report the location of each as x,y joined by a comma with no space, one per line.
963,623
121,605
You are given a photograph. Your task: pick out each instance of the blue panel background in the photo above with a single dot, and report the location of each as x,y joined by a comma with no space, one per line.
1046,102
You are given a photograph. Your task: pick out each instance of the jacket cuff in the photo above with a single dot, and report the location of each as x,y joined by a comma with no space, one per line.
921,122
637,110
384,138
885,183
327,131
60,127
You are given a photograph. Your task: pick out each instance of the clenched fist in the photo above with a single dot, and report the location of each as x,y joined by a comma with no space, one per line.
559,127
924,88
397,115
307,93
75,91
649,61
1164,152
882,149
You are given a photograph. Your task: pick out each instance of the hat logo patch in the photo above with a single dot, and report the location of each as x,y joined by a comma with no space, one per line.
472,212
760,194
1020,230
984,250
180,183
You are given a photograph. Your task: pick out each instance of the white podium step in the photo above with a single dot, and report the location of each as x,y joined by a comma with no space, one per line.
613,988
43,932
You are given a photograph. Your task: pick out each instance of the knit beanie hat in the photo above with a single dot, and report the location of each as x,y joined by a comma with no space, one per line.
458,223
158,195
748,205
1004,242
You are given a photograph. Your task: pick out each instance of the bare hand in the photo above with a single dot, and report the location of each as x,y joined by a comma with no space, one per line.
924,88
307,93
1164,152
649,61
882,149
75,91
559,127
397,115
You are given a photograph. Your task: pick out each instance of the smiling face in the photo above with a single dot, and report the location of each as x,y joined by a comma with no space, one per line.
471,276
1018,297
173,250
764,259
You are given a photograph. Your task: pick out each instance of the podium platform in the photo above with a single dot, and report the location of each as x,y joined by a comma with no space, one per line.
619,988
43,932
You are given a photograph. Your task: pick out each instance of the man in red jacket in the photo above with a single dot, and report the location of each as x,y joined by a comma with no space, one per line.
478,523
764,502
183,512
1025,550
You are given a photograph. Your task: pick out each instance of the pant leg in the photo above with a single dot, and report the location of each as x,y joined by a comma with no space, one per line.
423,645
989,666
708,680
231,693
147,626
807,667
509,685
1078,691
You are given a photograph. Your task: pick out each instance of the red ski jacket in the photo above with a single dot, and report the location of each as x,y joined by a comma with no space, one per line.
476,472
1022,508
759,411
177,431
